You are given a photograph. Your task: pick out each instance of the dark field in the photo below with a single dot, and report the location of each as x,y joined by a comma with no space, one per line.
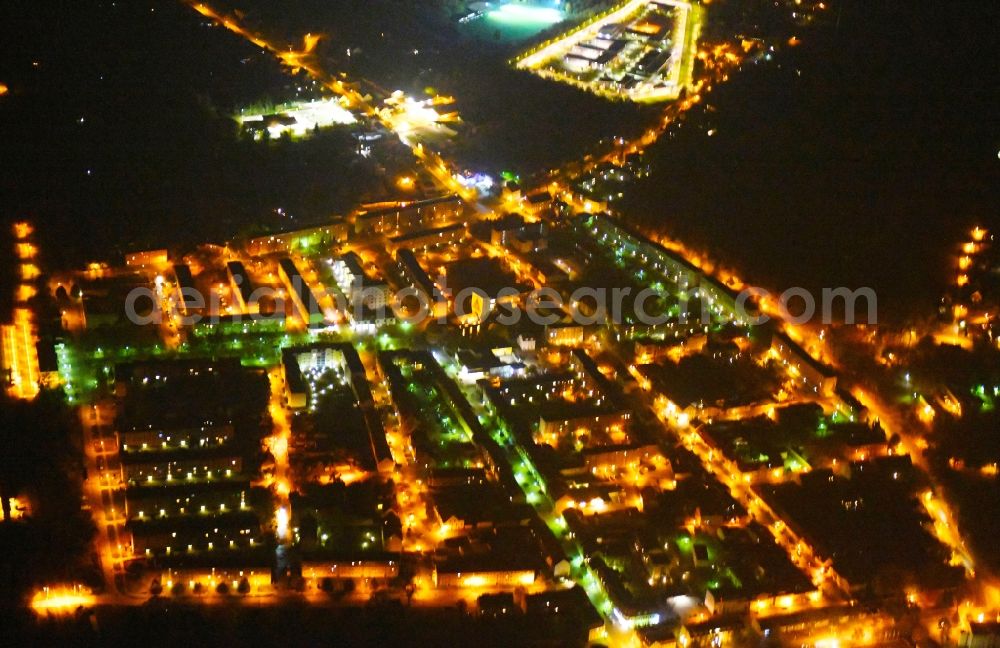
865,170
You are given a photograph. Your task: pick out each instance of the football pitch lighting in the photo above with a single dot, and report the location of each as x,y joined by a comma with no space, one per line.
526,15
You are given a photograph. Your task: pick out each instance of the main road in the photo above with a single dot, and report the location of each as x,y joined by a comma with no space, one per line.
306,60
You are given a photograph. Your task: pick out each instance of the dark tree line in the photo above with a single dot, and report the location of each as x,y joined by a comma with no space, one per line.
41,463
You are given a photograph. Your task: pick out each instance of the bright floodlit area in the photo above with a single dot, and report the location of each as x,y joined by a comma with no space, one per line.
639,51
512,21
419,121
297,118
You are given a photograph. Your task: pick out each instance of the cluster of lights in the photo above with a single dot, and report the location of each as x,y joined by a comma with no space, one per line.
410,117
970,249
307,117
664,85
279,444
19,339
62,599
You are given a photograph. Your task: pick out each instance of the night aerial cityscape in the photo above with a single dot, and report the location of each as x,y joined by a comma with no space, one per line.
500,323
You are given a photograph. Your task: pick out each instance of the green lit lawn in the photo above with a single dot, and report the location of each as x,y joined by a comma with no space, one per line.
514,23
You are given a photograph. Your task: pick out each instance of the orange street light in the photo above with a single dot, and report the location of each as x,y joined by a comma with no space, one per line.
23,230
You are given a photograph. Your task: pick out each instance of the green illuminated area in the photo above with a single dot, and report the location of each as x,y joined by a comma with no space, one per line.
532,483
732,563
474,494
513,22
797,439
86,365
623,259
512,444
987,396
466,422
439,436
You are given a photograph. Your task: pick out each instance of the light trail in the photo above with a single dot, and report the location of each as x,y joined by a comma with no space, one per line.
277,444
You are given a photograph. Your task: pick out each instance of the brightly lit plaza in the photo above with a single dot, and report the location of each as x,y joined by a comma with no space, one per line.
297,119
641,50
